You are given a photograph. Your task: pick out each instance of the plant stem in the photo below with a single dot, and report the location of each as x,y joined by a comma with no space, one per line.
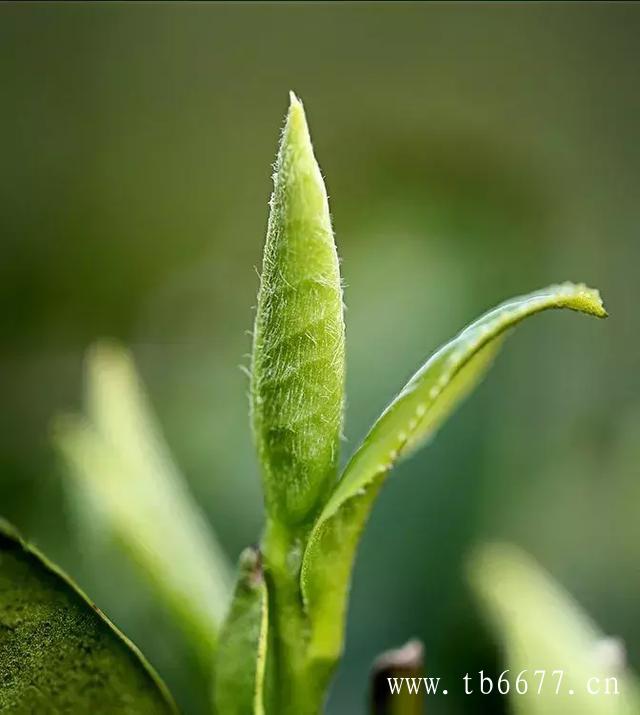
290,690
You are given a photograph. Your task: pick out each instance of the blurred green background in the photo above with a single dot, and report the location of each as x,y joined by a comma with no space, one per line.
471,151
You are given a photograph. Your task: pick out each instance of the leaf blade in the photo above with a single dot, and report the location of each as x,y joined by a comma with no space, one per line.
541,626
241,656
59,652
127,484
410,419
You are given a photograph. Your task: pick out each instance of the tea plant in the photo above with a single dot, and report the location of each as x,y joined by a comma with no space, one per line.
277,647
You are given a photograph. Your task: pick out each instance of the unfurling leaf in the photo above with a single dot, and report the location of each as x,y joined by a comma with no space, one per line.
59,653
240,660
297,379
407,423
567,664
124,482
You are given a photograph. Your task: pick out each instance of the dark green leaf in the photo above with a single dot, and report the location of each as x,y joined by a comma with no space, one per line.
58,653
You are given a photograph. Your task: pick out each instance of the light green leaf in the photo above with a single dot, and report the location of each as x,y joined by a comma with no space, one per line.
407,423
241,656
58,653
124,482
297,380
542,628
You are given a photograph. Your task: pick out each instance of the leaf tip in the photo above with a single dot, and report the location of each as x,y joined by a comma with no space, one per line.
294,101
250,566
580,297
105,356
296,136
484,558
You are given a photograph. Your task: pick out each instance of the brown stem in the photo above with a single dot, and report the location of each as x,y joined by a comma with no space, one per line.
405,662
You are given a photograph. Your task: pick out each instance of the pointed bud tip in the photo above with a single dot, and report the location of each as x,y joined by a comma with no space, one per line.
297,121
294,100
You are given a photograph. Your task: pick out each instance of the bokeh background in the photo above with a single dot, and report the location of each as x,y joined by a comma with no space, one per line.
472,152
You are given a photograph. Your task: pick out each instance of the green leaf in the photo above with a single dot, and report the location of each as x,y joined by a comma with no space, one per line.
542,628
58,653
407,423
123,482
240,661
297,380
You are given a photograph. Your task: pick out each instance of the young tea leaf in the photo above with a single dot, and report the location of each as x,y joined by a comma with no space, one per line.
58,653
413,416
297,379
124,482
240,661
565,664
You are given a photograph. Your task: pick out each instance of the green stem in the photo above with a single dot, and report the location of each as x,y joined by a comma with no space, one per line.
291,690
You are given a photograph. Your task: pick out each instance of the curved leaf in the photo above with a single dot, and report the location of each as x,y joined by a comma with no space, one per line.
542,628
240,661
123,481
413,416
58,653
297,376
